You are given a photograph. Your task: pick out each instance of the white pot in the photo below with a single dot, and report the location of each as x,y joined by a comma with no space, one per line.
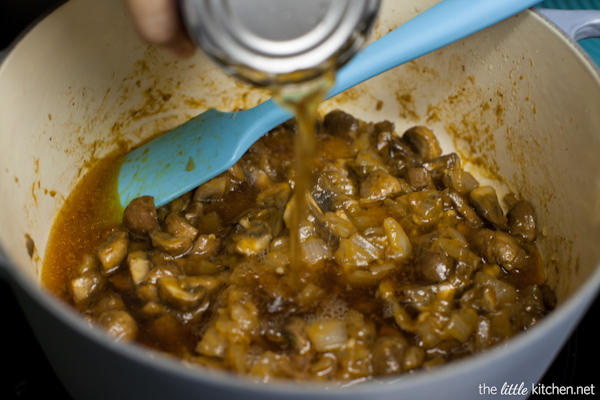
520,97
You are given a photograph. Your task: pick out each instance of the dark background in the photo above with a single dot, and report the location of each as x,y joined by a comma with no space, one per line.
28,375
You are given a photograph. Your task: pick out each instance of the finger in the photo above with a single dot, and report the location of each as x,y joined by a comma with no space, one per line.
158,23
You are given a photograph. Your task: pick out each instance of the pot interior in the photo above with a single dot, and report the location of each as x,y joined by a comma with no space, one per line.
517,101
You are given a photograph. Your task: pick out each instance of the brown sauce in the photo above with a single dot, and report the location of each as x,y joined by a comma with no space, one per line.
91,208
336,294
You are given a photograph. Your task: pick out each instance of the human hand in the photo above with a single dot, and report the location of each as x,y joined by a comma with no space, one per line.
158,22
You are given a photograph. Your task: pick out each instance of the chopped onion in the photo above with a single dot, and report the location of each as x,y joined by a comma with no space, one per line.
356,251
213,344
505,292
462,324
327,335
399,243
382,269
314,250
339,223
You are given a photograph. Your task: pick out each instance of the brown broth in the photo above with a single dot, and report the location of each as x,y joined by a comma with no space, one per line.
251,293
89,212
304,106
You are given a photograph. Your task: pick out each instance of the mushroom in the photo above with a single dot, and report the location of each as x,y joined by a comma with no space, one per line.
339,123
119,324
173,245
379,185
147,289
498,247
485,201
295,332
86,286
114,251
463,208
254,238
139,265
521,221
140,215
205,245
384,132
213,190
423,142
179,294
435,265
180,227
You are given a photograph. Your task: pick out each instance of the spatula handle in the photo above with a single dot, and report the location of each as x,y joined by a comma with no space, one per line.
442,24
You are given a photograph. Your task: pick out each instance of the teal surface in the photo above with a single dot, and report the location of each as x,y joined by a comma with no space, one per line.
591,46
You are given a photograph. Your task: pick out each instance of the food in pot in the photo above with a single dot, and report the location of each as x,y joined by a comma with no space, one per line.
407,262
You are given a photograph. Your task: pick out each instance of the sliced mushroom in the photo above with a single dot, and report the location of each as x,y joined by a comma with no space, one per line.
86,287
254,238
504,293
399,155
426,207
179,226
463,208
334,180
498,247
521,221
112,301
171,244
179,294
165,269
423,142
294,330
379,185
139,265
147,289
205,245
176,206
114,251
460,180
445,162
236,173
213,190
119,324
419,178
275,195
194,210
384,127
485,201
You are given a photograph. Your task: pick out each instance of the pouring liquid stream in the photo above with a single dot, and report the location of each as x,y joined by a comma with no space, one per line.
303,101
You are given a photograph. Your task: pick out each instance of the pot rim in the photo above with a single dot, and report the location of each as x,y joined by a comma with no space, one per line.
580,50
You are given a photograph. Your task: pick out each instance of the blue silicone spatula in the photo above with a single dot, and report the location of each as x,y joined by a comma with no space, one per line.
210,143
